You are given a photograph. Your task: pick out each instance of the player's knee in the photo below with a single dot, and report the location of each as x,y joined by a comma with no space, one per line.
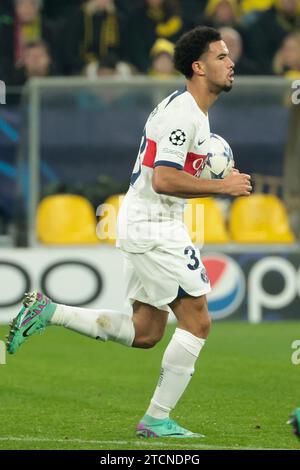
199,327
204,327
148,342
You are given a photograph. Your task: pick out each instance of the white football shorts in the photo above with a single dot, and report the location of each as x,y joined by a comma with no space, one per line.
159,276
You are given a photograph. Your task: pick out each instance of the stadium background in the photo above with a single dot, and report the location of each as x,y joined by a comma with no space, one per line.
80,80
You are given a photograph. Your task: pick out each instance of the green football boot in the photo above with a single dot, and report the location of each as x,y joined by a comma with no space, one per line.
153,427
295,422
34,316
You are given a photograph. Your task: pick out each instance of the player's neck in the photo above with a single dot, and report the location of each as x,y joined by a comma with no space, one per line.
202,95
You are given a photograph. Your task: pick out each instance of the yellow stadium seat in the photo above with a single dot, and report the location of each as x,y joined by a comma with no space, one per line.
214,229
107,224
66,219
260,5
256,5
260,218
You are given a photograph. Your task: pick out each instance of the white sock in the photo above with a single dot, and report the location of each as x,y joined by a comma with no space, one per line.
176,371
106,325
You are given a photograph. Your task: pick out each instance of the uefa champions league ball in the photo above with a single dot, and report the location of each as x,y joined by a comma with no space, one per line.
219,161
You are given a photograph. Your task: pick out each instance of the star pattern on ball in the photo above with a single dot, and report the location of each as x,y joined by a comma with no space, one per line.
177,137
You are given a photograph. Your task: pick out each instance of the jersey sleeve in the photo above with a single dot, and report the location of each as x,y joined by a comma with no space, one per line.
174,143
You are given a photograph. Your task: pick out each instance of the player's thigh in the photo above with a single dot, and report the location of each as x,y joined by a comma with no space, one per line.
149,323
192,315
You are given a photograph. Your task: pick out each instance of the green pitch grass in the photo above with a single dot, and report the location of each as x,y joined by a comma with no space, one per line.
65,391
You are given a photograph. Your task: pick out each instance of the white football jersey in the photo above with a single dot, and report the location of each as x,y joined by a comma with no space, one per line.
177,135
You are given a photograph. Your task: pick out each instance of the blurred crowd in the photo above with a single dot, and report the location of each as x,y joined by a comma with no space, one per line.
124,37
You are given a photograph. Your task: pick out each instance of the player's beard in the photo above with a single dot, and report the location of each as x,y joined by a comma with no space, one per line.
219,88
227,88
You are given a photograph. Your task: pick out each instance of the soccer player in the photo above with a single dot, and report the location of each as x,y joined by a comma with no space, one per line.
163,269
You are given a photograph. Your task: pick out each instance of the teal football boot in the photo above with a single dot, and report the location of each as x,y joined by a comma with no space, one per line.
34,316
295,422
153,427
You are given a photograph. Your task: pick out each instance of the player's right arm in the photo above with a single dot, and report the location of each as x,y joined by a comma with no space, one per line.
175,182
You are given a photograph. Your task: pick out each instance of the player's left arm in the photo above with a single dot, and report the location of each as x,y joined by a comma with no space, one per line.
178,183
175,141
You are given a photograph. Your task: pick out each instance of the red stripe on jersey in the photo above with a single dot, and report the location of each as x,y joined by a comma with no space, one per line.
150,154
194,163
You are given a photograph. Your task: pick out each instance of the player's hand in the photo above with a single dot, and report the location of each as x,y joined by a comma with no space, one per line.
237,184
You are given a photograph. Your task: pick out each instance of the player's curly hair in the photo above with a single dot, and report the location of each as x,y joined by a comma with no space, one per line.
191,46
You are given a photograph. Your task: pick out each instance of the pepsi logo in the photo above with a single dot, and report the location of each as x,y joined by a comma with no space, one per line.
228,285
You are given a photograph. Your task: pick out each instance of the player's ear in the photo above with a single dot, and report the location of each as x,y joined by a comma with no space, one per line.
198,68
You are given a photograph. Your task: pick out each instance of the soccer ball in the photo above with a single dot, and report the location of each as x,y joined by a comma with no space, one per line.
219,161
